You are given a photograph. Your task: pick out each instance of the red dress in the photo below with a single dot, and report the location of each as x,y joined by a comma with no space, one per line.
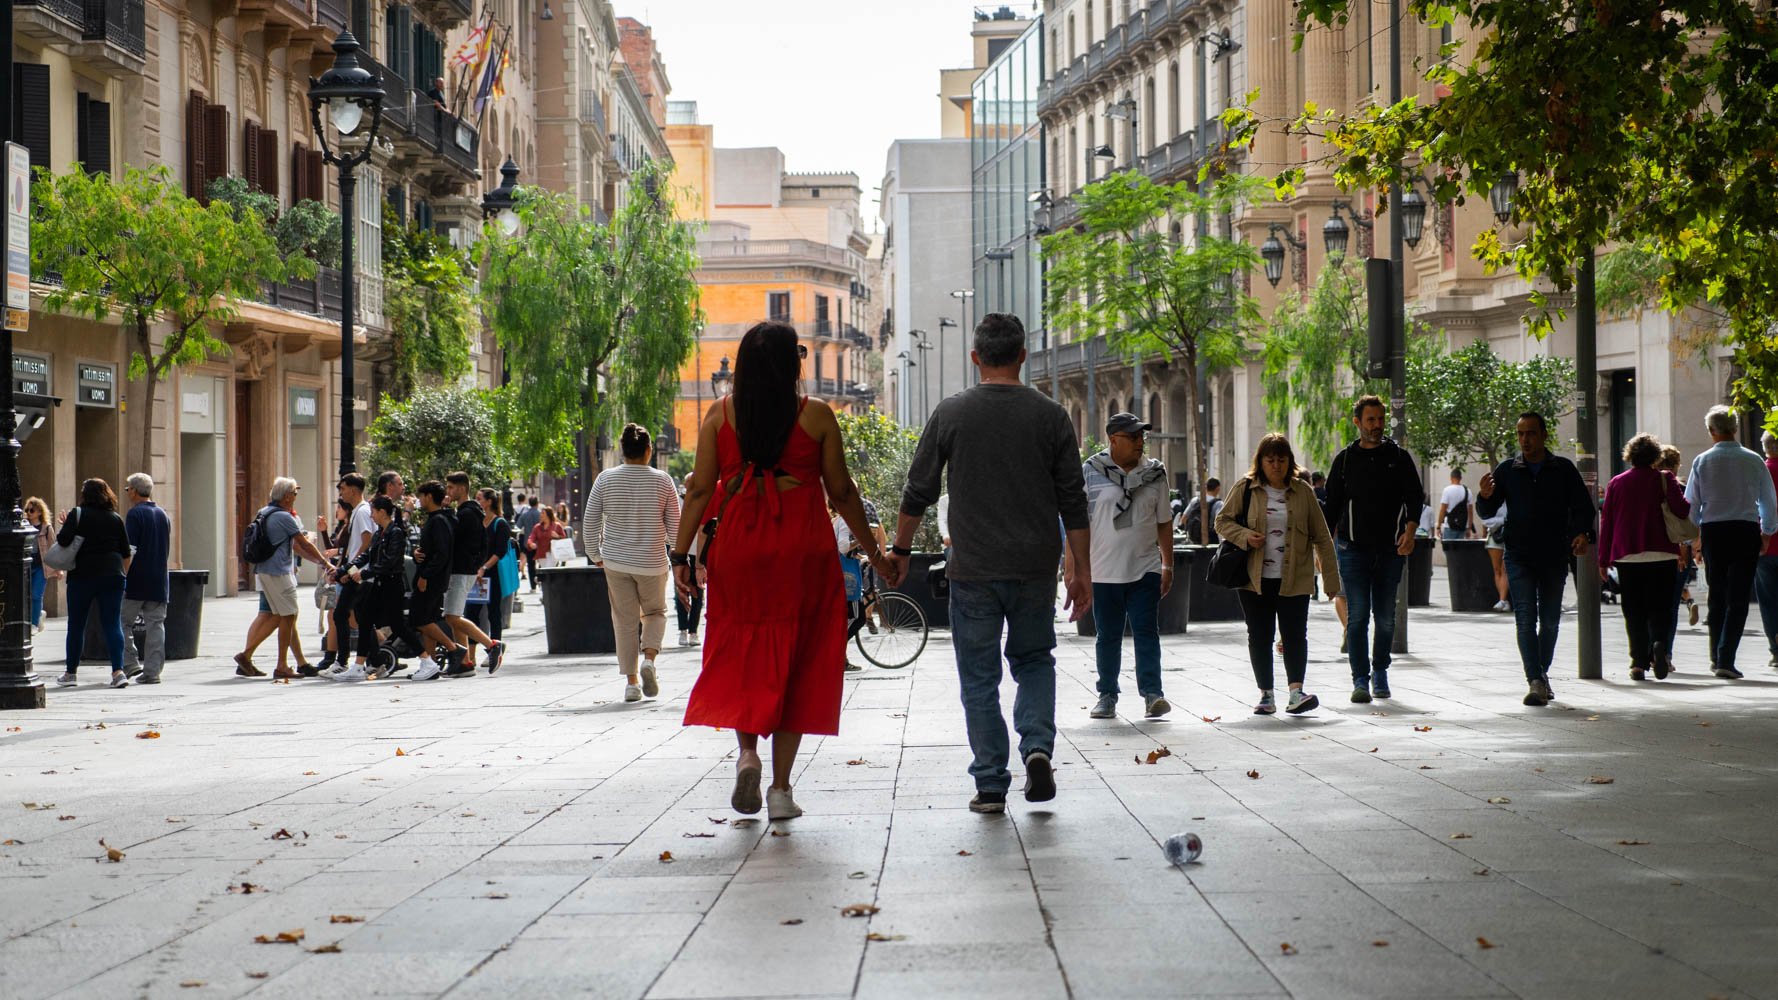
775,649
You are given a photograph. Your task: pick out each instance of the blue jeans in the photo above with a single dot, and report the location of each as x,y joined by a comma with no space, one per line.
1140,602
1765,591
1536,593
1369,579
1024,611
107,593
39,583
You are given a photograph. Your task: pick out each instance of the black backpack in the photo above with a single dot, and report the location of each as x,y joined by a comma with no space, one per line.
256,544
1457,518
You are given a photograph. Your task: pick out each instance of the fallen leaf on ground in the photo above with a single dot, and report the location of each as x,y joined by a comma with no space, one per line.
1379,944
859,910
1499,800
282,937
874,936
1599,779
858,875
1372,750
1154,755
465,815
1253,774
1591,718
344,918
12,729
1539,770
148,734
65,817
326,949
282,834
1633,843
1287,948
246,888
1706,725
963,854
742,824
1460,836
1422,729
855,763
1484,942
9,842
112,854
308,773
780,833
1481,871
175,819
666,857
718,820
496,895
1209,718
690,836
399,752
792,922
1427,767
192,983
38,806
257,975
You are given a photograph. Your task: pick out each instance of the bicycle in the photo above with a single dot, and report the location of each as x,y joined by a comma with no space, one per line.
888,628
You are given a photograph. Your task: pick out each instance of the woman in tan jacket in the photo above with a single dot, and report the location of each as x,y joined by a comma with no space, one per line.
1273,513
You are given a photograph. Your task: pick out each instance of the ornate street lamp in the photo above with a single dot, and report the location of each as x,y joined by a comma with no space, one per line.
1272,252
722,380
348,91
500,203
1413,215
1502,194
1335,233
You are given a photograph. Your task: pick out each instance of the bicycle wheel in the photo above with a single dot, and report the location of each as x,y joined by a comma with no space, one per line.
894,634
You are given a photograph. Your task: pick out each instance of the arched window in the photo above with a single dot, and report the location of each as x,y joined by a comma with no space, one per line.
1148,140
1089,39
1154,410
1174,100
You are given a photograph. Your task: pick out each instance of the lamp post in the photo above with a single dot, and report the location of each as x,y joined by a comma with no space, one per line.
1335,234
963,297
498,204
349,92
1272,252
721,381
925,384
943,325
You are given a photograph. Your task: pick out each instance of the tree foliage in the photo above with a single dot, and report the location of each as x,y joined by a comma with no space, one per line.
439,429
139,248
879,451
427,299
307,228
1465,405
595,319
1628,122
1119,273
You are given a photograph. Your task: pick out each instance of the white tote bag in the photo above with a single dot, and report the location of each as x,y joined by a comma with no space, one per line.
61,556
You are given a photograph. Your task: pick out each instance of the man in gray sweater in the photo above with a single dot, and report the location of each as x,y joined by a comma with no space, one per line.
1013,468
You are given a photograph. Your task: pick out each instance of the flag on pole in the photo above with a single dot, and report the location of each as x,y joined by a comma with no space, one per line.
469,53
491,74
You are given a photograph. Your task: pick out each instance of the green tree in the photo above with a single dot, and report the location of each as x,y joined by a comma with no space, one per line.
427,299
879,452
1465,404
1628,121
439,429
595,319
140,248
1118,273
307,228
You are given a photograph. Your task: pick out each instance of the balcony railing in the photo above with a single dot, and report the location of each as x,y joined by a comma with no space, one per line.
592,111
118,22
799,251
331,14
804,330
317,296
409,112
72,12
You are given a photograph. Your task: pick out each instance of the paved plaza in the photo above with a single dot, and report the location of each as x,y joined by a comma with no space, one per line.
530,835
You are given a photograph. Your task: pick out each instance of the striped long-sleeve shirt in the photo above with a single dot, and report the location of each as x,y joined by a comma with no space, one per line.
632,515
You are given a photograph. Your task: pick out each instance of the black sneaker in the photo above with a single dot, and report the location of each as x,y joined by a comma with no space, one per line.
988,802
1380,684
1361,693
1040,778
1638,674
1663,667
1549,693
310,669
1726,673
1535,697
454,665
496,653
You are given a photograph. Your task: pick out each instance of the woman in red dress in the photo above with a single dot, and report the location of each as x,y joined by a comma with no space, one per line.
776,647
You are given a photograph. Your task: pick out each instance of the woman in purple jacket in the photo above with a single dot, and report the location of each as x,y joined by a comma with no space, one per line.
1633,537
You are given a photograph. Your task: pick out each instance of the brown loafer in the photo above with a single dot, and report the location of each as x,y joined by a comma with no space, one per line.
284,674
244,667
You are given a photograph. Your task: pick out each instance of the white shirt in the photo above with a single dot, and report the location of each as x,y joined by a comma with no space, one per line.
944,517
1277,529
1455,494
362,527
1125,555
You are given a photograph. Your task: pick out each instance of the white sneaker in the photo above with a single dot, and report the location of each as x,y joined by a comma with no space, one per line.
1502,606
356,672
650,687
632,692
684,638
779,804
335,672
427,670
67,680
120,679
694,639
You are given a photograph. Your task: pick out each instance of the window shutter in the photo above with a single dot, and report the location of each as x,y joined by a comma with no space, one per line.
268,161
250,154
96,138
317,183
30,110
215,143
194,145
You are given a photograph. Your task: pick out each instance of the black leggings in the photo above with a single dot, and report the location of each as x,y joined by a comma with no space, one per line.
1649,611
1291,617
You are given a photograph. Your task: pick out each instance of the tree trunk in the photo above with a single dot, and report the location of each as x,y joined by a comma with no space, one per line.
139,462
1200,455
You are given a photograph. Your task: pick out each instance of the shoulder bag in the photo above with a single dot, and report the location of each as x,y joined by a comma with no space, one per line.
62,556
1680,530
1228,567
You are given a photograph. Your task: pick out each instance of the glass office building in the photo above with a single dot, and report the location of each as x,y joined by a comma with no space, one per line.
1006,169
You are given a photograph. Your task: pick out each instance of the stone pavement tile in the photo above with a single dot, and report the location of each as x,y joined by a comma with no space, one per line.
1170,958
676,893
543,859
960,918
63,955
567,967
1011,969
611,927
432,925
380,974
1372,856
752,954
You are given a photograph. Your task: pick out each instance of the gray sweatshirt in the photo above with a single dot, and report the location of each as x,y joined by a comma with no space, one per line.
1013,470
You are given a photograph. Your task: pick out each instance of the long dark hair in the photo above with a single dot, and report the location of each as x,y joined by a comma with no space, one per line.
767,370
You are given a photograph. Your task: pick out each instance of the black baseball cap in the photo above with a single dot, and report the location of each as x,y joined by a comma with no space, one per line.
1125,423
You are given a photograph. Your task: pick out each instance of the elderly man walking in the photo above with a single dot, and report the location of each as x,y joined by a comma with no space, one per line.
1010,459
1736,508
282,532
146,587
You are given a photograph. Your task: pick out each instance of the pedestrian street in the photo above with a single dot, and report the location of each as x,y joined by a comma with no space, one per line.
531,835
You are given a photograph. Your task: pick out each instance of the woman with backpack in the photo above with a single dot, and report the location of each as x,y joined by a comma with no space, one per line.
97,576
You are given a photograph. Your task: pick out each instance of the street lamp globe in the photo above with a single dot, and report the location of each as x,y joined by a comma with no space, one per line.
1272,251
348,91
499,204
1502,194
1335,234
722,380
1413,217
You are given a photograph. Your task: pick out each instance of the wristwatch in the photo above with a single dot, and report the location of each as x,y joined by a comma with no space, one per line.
901,550
678,559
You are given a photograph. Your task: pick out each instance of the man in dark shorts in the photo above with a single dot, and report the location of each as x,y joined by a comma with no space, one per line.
432,562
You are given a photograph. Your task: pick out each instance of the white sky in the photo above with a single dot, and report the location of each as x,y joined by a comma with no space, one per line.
830,82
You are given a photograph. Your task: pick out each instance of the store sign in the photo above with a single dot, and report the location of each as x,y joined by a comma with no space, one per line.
30,373
18,237
303,408
98,385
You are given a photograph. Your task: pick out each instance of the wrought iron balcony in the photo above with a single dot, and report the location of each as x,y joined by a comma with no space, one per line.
592,111
317,296
70,12
116,22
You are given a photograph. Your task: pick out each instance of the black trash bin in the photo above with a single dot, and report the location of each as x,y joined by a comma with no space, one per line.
1470,574
576,610
1420,574
937,610
1207,601
185,613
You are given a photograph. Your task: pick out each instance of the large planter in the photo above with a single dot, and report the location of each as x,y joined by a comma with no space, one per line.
1470,574
1420,574
185,613
1206,602
938,610
576,610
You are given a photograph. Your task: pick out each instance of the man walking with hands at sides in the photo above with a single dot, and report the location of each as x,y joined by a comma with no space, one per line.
146,585
469,546
1736,508
1132,552
1549,518
529,513
1455,507
1374,501
359,531
1010,459
432,578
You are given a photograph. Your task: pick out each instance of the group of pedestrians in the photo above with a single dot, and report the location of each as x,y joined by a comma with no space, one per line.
118,573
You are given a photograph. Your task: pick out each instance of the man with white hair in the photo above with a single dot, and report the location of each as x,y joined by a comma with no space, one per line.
150,532
1735,504
282,532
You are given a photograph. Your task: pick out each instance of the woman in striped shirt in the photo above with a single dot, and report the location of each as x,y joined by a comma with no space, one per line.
632,513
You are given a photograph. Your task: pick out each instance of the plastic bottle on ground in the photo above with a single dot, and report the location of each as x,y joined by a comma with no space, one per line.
1184,848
